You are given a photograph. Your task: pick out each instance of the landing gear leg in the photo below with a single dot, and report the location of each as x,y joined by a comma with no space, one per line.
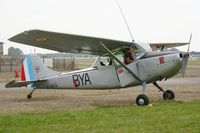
160,88
29,96
142,99
167,95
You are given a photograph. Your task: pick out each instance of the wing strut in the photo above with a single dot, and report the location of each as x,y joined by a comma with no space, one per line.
121,63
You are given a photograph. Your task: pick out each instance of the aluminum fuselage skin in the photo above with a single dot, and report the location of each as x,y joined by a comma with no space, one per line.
148,69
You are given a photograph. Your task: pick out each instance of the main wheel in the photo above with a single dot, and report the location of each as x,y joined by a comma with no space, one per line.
142,100
168,95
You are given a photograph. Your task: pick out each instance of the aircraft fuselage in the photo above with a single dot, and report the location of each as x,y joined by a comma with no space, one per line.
148,69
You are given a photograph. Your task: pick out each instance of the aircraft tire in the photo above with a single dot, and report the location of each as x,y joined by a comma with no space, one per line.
29,96
142,100
168,95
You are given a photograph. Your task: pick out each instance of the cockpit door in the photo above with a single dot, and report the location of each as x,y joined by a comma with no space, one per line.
125,77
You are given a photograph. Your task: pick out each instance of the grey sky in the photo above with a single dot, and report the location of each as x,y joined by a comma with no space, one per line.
149,20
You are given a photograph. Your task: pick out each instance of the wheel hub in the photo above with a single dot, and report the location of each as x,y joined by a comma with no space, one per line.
141,101
168,95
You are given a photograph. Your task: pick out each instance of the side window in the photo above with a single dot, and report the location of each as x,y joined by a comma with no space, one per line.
120,57
129,55
105,61
137,53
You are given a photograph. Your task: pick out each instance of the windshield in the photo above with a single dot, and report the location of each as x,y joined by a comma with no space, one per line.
140,50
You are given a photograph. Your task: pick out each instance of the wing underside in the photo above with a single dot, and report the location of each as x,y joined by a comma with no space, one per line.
67,42
160,46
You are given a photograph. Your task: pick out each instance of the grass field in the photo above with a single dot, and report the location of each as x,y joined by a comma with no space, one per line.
165,117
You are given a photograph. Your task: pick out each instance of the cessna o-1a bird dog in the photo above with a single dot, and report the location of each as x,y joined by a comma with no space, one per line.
119,64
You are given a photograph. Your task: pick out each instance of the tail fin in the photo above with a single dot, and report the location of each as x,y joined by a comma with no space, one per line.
33,69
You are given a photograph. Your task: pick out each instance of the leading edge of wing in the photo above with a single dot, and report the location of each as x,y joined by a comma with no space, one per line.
67,42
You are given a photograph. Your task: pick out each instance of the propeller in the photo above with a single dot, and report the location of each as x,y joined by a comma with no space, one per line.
185,58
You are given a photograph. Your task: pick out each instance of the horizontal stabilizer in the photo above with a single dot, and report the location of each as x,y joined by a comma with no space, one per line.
15,83
33,70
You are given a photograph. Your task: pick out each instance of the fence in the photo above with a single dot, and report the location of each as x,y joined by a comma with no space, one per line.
10,64
68,64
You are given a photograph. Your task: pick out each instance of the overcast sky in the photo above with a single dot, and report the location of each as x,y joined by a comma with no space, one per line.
149,20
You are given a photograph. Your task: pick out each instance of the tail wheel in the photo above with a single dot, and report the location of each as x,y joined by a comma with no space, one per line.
168,95
142,100
29,96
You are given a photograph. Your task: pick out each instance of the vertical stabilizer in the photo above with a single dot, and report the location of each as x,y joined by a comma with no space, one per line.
33,69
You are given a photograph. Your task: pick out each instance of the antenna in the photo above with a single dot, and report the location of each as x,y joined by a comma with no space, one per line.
125,20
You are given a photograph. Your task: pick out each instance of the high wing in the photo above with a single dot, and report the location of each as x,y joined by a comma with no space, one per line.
161,46
67,42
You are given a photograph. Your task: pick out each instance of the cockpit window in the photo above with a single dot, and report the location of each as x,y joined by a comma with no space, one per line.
120,52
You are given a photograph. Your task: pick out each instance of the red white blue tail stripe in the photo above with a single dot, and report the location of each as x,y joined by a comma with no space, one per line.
27,71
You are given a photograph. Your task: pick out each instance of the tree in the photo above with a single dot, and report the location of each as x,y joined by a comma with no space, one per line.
15,52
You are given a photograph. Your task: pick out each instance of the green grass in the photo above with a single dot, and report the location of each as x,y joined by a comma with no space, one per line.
170,117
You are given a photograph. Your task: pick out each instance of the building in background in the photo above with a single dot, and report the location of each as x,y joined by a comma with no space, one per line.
194,55
1,49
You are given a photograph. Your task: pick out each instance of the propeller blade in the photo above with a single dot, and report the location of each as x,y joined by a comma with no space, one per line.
188,50
185,62
185,58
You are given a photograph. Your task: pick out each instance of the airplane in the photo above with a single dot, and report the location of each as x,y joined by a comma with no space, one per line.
109,71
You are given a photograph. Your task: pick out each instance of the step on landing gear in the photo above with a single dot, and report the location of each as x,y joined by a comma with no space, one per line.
167,95
142,99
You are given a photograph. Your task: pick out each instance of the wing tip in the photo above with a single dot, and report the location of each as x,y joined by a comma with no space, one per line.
13,38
